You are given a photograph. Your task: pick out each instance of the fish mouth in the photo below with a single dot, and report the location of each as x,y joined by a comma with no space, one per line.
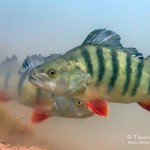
35,80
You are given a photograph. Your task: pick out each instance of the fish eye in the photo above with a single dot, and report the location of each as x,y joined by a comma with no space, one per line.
78,103
52,73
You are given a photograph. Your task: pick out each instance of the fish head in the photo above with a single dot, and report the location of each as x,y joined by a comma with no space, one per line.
70,108
60,106
51,76
58,76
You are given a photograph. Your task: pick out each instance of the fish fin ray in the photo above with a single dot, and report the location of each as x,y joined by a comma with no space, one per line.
103,37
36,60
98,106
145,105
134,52
110,39
9,65
39,115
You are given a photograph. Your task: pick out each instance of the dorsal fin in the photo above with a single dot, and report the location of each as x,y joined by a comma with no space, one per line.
109,39
9,64
33,61
9,61
134,52
103,37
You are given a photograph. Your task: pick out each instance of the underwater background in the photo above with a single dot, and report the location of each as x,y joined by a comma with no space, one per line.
43,27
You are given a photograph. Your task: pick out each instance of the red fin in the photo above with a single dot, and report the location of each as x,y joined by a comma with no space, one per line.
4,97
145,105
98,106
39,115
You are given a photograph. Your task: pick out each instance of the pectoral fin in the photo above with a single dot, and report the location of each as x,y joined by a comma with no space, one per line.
145,105
39,115
98,106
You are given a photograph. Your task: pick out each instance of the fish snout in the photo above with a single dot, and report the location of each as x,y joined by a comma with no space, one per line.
32,75
34,79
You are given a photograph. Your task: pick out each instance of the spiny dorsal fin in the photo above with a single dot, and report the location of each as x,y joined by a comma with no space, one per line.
109,39
9,64
36,60
8,61
103,37
32,61
51,57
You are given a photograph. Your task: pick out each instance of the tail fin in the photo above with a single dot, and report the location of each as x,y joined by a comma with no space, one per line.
147,63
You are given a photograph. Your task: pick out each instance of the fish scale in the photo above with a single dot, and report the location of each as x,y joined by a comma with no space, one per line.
138,77
116,69
101,65
128,72
99,69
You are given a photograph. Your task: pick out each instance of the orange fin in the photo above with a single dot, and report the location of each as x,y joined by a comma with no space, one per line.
145,105
4,97
99,106
39,115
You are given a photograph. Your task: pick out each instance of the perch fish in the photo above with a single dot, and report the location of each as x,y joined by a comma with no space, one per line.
14,85
99,71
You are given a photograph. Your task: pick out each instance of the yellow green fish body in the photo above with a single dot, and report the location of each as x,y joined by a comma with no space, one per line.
113,74
97,70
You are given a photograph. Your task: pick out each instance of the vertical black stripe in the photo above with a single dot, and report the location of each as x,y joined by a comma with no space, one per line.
21,82
115,70
85,54
6,81
148,88
101,65
138,77
128,74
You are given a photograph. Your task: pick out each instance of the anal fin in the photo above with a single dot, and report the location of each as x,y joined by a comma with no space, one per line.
145,105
